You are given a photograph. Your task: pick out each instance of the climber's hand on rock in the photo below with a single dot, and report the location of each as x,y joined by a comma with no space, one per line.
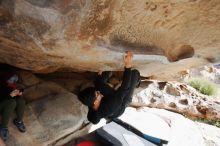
128,59
100,72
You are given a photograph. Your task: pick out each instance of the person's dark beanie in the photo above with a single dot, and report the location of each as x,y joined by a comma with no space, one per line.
87,96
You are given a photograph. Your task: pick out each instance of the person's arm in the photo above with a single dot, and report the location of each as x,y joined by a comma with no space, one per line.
101,83
127,73
103,77
126,79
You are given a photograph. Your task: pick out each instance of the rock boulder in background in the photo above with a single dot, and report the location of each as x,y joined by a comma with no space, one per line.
178,97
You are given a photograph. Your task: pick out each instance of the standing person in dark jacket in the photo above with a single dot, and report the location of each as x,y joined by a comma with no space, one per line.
105,102
11,101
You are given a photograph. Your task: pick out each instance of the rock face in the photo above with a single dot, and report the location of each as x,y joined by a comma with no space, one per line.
36,88
48,120
44,36
178,97
210,72
73,82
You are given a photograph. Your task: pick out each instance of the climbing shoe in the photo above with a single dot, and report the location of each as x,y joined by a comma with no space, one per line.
20,125
4,133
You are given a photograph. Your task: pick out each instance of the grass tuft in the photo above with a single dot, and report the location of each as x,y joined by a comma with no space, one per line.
204,86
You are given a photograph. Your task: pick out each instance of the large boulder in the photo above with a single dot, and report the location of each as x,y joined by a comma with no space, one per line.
44,36
49,120
177,97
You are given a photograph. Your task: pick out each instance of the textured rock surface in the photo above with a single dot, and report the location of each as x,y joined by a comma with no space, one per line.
178,97
42,90
210,72
44,36
28,79
36,88
72,82
48,120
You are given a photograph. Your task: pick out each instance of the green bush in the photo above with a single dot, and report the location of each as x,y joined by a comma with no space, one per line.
203,86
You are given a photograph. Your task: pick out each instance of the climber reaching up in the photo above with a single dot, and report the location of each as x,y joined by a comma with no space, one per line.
106,102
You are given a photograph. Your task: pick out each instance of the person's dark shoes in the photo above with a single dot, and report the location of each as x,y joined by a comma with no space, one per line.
4,133
20,125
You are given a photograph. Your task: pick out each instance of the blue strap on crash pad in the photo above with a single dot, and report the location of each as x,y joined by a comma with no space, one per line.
155,140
